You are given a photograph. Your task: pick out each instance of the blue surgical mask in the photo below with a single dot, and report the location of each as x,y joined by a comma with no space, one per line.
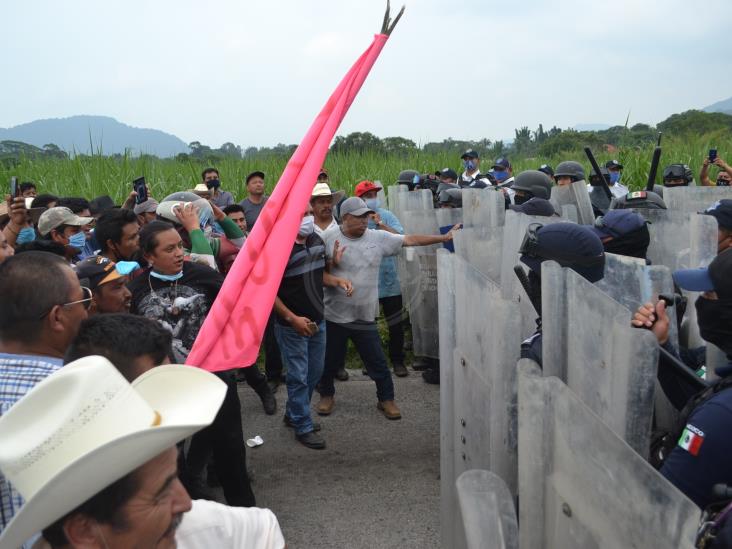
615,177
469,165
166,278
25,235
126,267
77,240
373,203
500,176
307,226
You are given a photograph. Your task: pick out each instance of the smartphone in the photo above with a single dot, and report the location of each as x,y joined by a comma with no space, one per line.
712,155
313,327
14,187
140,187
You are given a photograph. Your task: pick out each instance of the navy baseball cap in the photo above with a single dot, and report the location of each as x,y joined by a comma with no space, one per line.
613,165
470,153
535,206
501,163
448,173
715,278
547,169
570,245
617,223
721,210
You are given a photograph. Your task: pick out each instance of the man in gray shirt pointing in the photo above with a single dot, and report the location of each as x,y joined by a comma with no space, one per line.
354,252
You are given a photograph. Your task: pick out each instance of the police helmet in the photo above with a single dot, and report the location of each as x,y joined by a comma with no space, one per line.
533,182
677,171
570,168
595,180
406,177
451,197
639,199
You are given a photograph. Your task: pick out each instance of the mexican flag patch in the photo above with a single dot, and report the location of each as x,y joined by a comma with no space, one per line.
691,439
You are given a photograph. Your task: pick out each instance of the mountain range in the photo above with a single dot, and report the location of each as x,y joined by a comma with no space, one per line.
81,133
724,106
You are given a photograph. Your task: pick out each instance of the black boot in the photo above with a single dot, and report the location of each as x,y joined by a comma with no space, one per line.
432,376
268,399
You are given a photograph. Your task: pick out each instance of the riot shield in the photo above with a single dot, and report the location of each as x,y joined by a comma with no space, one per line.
483,414
581,486
489,517
419,283
589,343
693,199
576,195
483,208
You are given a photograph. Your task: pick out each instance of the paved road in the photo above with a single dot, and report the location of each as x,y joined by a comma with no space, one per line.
375,485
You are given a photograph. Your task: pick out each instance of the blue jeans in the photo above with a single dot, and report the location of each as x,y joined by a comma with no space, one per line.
365,337
303,357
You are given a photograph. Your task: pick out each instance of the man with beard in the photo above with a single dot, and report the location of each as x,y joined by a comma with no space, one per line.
701,458
108,282
323,200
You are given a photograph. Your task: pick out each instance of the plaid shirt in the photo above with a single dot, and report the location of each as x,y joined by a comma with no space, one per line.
18,375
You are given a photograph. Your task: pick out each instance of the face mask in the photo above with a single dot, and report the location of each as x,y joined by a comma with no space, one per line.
501,176
469,165
25,235
166,278
373,203
714,317
77,240
614,177
307,226
213,184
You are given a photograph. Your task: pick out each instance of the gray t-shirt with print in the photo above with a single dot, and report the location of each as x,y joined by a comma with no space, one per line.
359,264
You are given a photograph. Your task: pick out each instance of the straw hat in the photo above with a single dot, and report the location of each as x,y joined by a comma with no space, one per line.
85,427
322,189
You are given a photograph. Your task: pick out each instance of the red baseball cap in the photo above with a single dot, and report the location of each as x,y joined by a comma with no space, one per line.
365,186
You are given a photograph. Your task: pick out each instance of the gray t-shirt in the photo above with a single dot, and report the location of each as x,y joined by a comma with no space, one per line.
252,211
360,264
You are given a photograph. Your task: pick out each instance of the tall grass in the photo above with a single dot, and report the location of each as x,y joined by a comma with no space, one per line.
95,175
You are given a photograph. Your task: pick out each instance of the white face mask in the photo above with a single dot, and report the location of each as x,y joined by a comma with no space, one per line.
307,226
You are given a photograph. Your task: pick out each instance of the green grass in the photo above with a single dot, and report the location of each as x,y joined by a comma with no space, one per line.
91,176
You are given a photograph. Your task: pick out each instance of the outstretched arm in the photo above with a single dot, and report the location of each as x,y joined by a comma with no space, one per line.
426,240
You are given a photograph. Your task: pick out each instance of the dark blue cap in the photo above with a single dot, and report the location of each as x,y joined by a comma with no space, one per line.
715,278
570,245
617,223
613,164
501,163
470,153
535,206
721,210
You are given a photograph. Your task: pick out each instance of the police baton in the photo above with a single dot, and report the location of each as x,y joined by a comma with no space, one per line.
605,183
654,164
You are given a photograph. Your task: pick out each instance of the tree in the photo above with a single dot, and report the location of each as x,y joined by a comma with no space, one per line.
697,122
230,150
398,145
522,143
357,142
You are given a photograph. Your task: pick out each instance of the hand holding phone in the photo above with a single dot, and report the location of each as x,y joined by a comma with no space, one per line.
14,187
712,155
140,188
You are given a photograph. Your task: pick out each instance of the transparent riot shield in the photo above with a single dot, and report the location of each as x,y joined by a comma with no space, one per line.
482,247
419,285
581,486
483,208
576,195
489,516
483,412
694,199
588,342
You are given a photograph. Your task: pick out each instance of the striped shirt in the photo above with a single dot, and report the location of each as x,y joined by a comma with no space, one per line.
18,375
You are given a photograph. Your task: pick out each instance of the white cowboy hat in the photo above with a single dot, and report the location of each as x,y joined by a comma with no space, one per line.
322,189
85,427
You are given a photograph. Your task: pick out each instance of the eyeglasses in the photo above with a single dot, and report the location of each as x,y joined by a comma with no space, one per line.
86,302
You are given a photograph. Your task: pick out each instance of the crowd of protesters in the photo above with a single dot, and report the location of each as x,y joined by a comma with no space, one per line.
101,305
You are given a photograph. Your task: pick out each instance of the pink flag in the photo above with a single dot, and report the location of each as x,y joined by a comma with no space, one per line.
232,332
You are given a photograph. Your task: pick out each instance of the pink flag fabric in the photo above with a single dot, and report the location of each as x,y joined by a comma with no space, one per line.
232,332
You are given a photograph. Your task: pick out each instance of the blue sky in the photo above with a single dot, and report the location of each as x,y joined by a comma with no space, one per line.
257,73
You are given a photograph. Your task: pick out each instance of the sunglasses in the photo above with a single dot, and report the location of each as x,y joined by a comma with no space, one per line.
86,302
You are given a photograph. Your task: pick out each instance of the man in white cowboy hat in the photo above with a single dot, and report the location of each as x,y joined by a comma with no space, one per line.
42,308
94,457
323,200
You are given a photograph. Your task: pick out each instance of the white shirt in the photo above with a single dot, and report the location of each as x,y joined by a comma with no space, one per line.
211,525
319,231
617,189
